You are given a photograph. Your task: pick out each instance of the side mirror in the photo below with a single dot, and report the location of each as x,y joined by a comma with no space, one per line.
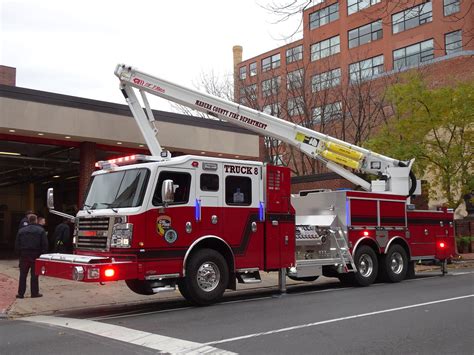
50,203
167,191
50,198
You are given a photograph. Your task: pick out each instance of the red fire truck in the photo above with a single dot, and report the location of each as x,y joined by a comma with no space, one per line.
203,224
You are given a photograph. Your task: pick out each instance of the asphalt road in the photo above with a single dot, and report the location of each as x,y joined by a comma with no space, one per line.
427,315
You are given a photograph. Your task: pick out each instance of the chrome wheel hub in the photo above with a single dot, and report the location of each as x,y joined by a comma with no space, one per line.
208,276
366,265
396,263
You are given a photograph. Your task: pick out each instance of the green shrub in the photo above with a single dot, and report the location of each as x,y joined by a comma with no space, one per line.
464,243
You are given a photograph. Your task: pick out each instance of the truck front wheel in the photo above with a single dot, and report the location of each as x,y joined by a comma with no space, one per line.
207,276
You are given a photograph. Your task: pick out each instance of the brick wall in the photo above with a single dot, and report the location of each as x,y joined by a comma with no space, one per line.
7,75
319,181
87,167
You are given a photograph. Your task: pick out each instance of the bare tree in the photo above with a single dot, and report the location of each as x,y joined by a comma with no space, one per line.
211,83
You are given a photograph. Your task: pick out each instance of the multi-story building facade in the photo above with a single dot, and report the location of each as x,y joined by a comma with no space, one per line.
334,78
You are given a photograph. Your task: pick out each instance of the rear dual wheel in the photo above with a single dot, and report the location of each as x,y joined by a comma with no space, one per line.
367,266
394,264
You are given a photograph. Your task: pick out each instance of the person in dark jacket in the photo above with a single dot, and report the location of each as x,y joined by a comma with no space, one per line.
24,220
30,243
62,238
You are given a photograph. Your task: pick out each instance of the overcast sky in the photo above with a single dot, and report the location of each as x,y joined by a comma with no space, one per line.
71,47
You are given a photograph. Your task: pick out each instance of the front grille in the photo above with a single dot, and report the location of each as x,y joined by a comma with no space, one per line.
93,233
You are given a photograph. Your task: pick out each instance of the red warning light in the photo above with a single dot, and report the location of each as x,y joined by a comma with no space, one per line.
195,164
109,272
442,245
366,233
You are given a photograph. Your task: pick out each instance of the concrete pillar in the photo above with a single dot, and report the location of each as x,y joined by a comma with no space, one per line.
31,197
88,158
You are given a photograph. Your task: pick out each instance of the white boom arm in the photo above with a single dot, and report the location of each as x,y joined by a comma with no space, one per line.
396,175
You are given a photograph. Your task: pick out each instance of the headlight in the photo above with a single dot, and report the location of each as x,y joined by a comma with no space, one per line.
122,235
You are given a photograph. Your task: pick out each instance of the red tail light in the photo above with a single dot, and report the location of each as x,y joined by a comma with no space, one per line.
109,272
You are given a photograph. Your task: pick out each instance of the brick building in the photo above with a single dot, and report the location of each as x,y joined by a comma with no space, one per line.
334,78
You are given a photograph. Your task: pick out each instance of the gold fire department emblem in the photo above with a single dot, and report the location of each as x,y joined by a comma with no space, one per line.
163,223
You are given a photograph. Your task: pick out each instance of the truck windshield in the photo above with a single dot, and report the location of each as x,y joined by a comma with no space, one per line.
117,189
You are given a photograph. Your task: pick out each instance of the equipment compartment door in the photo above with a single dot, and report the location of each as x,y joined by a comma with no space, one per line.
280,220
243,229
209,190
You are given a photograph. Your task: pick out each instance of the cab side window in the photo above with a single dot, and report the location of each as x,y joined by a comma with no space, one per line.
238,191
209,182
181,194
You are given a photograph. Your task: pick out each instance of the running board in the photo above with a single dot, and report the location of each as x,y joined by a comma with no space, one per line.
248,276
164,289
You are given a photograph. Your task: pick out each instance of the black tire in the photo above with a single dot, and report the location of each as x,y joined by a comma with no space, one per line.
207,277
367,266
347,279
306,278
394,264
141,287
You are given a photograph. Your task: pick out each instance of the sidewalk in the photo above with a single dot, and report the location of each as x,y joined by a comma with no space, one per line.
64,295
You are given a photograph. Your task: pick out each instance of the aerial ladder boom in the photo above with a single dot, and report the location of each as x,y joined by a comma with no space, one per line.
395,175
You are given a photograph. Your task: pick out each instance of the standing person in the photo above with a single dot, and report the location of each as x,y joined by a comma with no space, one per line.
62,238
42,221
30,243
24,220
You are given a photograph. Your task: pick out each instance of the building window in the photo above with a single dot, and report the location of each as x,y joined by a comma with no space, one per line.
325,48
326,113
295,106
294,54
243,73
271,86
253,69
412,17
271,142
453,42
365,69
365,34
451,7
324,16
354,6
294,79
272,109
249,92
238,191
209,182
277,160
326,80
413,55
271,62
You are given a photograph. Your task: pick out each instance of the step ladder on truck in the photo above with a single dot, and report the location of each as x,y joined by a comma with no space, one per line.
202,224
